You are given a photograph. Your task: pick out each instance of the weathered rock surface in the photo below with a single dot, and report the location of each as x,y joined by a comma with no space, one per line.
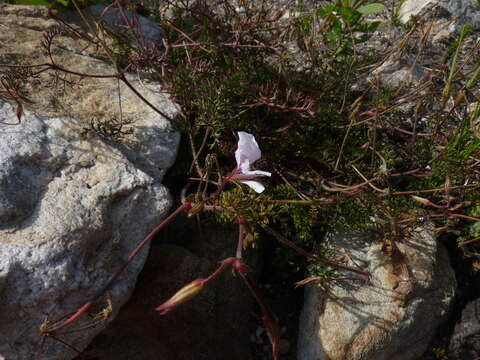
397,72
454,14
73,203
442,20
71,211
463,11
394,316
88,100
465,341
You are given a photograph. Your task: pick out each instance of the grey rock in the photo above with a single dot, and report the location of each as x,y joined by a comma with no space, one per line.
71,210
449,15
465,341
151,146
144,28
397,72
393,316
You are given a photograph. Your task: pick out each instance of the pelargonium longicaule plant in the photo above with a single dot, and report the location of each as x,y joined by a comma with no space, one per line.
246,154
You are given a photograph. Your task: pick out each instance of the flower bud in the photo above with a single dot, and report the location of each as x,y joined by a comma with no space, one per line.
181,296
427,202
422,200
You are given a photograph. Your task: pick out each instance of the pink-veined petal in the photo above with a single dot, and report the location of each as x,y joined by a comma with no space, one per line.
257,173
255,185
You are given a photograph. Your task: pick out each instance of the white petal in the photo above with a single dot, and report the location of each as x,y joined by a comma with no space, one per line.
256,173
247,148
255,185
244,166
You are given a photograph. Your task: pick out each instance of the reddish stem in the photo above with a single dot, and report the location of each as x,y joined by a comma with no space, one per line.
222,267
82,310
269,319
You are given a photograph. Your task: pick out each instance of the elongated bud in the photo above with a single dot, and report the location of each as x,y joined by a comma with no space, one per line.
273,332
422,200
427,202
181,296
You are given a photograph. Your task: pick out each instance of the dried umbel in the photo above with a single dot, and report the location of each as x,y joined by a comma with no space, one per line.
113,127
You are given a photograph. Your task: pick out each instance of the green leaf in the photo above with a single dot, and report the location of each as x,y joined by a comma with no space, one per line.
350,16
374,8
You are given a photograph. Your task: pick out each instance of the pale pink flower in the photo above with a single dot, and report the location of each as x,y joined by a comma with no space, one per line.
247,153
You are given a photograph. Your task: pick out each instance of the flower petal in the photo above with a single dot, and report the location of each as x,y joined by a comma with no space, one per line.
247,149
257,173
244,165
255,185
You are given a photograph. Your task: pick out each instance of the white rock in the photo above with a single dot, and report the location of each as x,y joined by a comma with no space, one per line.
411,8
461,12
397,72
71,211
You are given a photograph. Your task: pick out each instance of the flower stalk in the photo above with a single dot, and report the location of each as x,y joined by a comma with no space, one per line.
195,287
190,290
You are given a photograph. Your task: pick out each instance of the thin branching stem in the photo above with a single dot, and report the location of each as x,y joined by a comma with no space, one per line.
324,261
